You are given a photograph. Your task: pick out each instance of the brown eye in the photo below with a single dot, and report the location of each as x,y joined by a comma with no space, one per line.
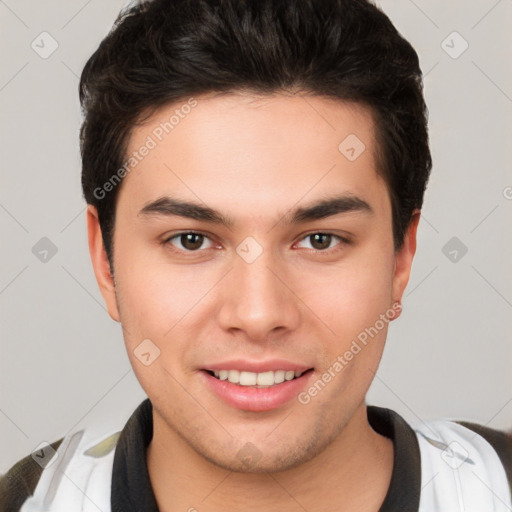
187,242
320,241
192,241
325,242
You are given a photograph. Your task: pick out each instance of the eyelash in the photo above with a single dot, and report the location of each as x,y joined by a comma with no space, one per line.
329,251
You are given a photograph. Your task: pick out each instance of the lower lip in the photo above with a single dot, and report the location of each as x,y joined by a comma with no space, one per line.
255,399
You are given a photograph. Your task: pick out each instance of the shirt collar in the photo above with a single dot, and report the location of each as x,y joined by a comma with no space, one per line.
131,489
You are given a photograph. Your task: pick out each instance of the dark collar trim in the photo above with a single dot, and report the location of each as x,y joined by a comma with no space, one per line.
131,489
405,486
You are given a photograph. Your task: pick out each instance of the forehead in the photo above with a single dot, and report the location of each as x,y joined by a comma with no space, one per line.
249,152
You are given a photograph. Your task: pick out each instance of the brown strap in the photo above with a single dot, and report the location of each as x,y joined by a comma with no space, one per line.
500,441
20,481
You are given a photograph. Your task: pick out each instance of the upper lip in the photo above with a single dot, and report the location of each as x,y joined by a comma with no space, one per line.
258,366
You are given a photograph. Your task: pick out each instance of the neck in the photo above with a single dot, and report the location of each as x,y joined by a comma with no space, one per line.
352,473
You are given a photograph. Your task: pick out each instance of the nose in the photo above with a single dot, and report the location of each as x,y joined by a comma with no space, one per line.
257,298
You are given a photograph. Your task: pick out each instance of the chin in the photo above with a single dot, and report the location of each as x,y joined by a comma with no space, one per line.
271,459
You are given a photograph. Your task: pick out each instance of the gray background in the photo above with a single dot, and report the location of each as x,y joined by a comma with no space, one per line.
63,362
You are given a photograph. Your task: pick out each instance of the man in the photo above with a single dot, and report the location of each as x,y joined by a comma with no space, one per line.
254,173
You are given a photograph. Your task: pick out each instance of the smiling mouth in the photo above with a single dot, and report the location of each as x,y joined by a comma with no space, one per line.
257,380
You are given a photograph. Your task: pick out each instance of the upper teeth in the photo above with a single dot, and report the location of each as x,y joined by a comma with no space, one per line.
256,379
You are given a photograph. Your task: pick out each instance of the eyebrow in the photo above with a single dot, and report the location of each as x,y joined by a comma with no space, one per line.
169,206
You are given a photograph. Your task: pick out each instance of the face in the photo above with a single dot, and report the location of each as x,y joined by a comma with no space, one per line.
281,264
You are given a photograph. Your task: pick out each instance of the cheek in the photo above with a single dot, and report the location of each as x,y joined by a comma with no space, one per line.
356,306
160,301
141,280
352,295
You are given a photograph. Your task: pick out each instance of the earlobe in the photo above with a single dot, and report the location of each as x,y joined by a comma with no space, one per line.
404,258
100,263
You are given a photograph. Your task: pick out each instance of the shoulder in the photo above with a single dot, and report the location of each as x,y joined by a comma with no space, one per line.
501,442
20,481
465,461
86,454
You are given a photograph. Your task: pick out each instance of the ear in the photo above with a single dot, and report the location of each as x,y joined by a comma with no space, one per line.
404,257
100,263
